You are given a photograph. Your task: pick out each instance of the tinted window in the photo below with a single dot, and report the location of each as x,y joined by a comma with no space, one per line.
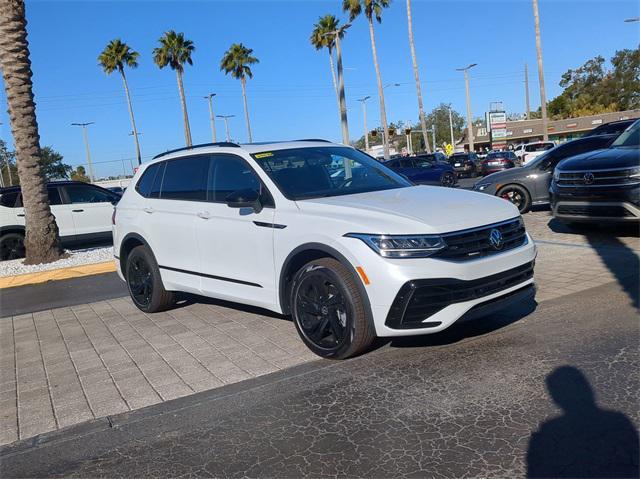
228,174
9,199
87,194
54,196
406,163
146,180
186,179
157,181
630,138
538,147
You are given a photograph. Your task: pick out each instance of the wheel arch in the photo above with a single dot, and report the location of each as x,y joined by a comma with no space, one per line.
127,244
514,183
12,229
308,252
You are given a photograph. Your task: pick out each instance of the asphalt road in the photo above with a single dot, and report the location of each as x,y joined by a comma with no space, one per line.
541,390
58,294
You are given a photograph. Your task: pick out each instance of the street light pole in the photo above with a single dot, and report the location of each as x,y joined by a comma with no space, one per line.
86,146
335,35
211,117
543,94
364,118
226,124
469,119
450,130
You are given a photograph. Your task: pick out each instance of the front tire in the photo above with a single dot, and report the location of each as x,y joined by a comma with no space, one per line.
328,310
517,195
144,282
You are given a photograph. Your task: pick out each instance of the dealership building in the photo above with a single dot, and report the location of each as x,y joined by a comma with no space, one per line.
526,131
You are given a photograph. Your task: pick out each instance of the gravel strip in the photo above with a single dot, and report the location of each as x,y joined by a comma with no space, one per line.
76,257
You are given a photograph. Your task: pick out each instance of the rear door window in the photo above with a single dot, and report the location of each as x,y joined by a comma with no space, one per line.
186,179
54,196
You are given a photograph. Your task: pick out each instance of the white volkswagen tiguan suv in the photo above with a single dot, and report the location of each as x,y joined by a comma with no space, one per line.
321,232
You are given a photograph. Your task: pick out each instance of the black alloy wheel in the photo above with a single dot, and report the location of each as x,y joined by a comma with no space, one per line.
145,283
447,179
12,246
516,195
328,310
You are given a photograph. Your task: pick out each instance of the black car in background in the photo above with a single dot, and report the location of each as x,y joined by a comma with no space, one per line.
466,164
498,161
612,128
601,186
529,185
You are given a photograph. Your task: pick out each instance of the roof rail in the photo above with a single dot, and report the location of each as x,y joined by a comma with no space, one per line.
315,139
221,144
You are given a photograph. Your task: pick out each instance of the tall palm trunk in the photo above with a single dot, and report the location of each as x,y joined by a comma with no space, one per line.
42,242
185,115
416,74
133,121
333,77
243,82
543,94
383,111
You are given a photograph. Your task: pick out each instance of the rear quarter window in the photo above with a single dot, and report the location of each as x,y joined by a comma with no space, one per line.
146,180
9,199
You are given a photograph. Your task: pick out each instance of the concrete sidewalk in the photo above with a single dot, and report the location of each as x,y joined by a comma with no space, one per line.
63,366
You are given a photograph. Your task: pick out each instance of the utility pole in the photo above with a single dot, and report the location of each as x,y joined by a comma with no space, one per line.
543,94
364,118
335,35
86,146
226,124
211,116
469,118
451,129
526,90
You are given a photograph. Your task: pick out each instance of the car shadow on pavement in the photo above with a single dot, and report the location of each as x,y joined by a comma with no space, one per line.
586,441
185,299
621,260
465,329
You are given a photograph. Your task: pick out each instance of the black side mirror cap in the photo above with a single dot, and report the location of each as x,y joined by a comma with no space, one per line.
246,198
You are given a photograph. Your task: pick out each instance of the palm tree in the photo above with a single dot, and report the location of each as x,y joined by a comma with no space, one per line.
175,51
114,57
416,74
237,60
372,9
42,242
320,38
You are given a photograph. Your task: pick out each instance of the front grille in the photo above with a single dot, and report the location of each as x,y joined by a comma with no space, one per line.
611,211
475,243
419,299
596,178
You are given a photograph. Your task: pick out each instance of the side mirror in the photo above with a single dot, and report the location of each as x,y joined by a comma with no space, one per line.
246,198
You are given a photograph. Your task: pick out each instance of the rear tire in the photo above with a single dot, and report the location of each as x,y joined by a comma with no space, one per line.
144,282
11,246
517,195
328,310
447,179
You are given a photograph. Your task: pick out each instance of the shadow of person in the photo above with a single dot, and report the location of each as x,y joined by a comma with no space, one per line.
586,441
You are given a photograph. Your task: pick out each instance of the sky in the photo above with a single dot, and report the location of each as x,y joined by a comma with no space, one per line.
291,95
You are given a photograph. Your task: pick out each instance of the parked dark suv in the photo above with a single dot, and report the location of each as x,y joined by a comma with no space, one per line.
529,185
600,186
465,164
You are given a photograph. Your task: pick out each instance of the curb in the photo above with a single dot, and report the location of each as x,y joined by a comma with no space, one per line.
57,274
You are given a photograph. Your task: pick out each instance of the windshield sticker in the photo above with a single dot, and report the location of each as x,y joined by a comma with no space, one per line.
264,155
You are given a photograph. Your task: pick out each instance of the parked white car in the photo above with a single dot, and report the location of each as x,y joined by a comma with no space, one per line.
83,214
526,152
321,232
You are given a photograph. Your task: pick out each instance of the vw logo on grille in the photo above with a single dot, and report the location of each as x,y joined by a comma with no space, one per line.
588,178
495,238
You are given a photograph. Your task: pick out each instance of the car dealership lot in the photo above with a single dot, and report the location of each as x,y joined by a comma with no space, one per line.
94,359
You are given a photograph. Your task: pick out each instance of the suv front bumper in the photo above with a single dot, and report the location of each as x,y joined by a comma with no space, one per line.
614,204
448,290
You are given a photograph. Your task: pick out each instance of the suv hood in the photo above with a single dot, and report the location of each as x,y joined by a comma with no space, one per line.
602,159
411,210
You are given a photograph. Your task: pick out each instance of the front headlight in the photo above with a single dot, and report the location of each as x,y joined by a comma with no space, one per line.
481,186
635,173
402,246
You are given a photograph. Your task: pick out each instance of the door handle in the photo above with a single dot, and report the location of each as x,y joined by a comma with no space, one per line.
20,214
205,215
148,210
77,211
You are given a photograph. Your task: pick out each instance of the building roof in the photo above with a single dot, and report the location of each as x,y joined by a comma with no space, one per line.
526,129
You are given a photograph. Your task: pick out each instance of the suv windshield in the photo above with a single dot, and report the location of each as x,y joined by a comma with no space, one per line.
630,138
303,173
535,147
